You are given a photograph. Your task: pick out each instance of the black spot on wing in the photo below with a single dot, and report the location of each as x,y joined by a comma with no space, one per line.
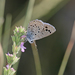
42,33
35,24
46,27
38,31
38,27
49,31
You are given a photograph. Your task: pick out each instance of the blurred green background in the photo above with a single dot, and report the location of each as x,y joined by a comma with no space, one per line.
59,13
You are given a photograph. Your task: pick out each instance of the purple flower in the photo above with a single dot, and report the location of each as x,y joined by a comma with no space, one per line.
23,36
9,54
12,69
7,66
22,47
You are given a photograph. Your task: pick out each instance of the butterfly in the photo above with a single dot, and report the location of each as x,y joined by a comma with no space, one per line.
38,29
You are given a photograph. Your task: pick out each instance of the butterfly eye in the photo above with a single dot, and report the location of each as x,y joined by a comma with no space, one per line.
31,41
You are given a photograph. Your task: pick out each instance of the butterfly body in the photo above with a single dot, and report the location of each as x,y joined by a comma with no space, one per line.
38,29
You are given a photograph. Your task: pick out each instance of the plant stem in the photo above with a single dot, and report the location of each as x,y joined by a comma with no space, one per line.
29,13
36,59
7,32
2,5
1,59
68,52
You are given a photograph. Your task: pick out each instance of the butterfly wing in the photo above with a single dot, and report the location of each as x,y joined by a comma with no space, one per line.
34,28
47,30
38,30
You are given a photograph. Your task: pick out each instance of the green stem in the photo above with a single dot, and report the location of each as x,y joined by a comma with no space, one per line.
1,59
6,35
2,5
67,53
7,32
36,59
29,13
66,57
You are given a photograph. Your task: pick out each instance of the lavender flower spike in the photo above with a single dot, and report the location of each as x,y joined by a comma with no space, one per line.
22,47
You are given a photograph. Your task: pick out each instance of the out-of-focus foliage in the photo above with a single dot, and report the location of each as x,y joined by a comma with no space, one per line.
43,8
59,13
